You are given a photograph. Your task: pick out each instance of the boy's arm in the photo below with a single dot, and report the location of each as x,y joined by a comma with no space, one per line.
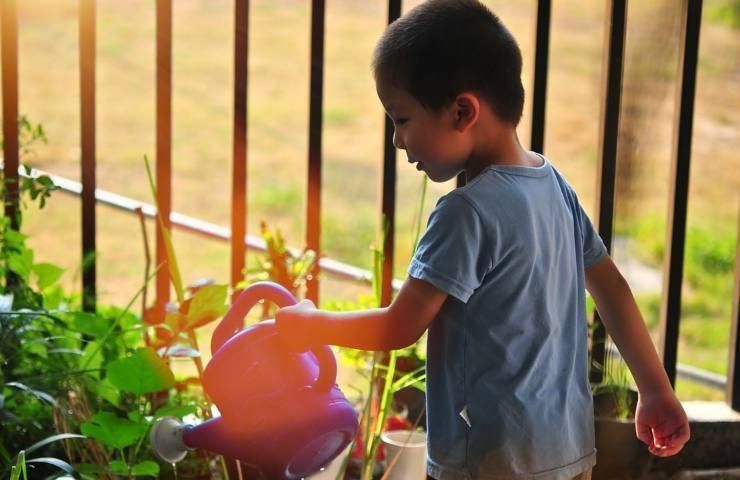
396,326
660,420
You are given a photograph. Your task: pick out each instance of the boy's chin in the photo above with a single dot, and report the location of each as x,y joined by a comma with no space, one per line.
441,177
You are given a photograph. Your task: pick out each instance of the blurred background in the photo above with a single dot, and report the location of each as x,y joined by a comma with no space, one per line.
278,91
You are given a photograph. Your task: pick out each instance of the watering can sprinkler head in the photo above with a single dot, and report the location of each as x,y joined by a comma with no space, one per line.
166,439
290,422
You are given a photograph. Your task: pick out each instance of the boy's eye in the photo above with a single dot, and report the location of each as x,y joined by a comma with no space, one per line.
400,121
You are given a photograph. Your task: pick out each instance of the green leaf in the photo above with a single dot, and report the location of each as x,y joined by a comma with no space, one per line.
208,304
173,267
38,349
60,464
53,297
143,372
52,439
21,263
107,391
14,239
92,358
46,181
113,431
89,468
89,323
119,466
146,468
36,393
136,416
47,273
19,467
178,411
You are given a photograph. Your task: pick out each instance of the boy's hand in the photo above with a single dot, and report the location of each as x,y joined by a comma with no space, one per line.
661,423
293,324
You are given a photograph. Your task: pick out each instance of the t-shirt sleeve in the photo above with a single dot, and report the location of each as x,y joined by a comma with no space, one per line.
453,254
593,246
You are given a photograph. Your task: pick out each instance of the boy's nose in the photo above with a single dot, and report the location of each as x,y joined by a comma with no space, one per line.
397,141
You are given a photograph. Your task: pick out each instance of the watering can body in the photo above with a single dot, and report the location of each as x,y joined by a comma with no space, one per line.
280,410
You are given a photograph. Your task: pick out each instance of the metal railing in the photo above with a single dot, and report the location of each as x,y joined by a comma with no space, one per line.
335,268
616,19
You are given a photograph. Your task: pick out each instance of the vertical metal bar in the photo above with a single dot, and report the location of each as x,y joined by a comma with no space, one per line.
670,312
313,214
87,133
239,152
733,371
388,199
164,141
10,108
607,165
539,88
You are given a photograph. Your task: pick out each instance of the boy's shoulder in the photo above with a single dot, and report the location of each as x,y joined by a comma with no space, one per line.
502,184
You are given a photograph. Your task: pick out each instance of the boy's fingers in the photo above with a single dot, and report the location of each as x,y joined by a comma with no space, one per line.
672,444
670,431
666,451
678,437
644,434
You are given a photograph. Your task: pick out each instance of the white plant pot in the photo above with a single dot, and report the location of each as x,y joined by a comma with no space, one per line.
405,454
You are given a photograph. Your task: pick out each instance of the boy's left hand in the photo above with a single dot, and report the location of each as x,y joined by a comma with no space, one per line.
661,423
292,325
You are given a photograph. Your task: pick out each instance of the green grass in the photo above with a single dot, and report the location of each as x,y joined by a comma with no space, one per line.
352,136
726,12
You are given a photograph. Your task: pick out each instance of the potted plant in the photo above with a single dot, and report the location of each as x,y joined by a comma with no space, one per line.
620,454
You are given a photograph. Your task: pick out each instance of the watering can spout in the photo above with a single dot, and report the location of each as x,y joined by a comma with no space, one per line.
171,439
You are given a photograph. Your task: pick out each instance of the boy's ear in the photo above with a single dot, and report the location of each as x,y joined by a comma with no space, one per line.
466,110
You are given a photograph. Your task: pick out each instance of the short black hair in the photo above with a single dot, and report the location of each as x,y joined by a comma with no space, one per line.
444,47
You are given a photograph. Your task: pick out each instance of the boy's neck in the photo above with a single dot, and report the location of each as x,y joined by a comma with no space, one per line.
501,148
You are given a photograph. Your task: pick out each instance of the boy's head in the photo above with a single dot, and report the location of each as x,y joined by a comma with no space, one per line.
444,47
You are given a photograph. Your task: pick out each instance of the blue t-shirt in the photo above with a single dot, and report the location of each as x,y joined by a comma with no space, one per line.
508,395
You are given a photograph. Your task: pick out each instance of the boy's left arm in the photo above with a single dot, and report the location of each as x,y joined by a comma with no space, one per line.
660,420
390,328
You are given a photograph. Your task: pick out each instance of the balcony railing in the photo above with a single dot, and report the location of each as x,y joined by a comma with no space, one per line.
607,159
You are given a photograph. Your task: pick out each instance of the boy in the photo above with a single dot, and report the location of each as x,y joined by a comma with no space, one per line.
499,276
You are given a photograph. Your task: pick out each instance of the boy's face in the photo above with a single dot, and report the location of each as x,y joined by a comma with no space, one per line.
432,140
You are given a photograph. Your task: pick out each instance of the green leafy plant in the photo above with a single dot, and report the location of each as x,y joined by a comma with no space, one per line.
615,396
106,374
380,370
19,465
280,264
18,270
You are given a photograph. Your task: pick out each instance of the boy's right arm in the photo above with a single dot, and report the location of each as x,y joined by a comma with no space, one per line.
397,326
660,420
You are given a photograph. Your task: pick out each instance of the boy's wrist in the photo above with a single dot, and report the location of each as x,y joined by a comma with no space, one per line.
657,388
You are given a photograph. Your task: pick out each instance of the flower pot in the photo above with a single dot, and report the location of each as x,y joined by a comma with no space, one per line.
405,454
619,454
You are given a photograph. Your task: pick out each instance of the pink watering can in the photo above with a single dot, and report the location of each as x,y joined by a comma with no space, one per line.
280,410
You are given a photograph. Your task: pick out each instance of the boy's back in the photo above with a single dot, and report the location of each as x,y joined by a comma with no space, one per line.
508,394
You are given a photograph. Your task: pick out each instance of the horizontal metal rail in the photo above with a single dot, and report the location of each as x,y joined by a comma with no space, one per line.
194,225
333,267
687,372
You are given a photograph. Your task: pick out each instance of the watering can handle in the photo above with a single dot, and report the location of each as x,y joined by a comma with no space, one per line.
233,322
